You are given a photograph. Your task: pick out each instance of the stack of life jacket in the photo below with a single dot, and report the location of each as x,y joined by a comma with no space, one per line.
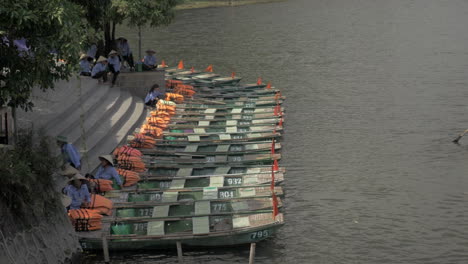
174,97
139,140
135,164
157,121
126,150
130,177
102,185
152,131
101,204
172,83
166,106
85,219
185,90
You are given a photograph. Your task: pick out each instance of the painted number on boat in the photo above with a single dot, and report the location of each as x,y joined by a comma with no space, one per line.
259,234
226,194
247,117
219,207
164,184
236,137
234,181
244,123
155,197
145,212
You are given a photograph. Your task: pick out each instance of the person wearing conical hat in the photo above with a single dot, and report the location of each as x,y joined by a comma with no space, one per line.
85,66
124,50
100,69
149,61
69,153
106,170
78,191
114,65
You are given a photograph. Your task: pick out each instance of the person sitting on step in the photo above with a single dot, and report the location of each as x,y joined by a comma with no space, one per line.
114,65
149,61
107,171
100,69
85,65
78,191
153,95
69,153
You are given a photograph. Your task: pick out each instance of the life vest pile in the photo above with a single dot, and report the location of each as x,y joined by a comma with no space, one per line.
141,141
166,106
174,97
185,90
130,177
172,83
102,185
85,219
101,204
126,150
131,163
158,121
152,131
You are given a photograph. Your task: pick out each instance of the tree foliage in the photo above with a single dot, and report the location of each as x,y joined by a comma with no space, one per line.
54,32
104,15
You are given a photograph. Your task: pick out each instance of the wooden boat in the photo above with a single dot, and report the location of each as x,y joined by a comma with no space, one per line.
167,172
230,116
212,149
225,111
230,159
229,105
202,231
245,180
182,124
210,131
204,76
221,137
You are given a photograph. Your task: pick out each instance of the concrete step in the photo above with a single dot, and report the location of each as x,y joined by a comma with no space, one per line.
111,129
106,106
69,110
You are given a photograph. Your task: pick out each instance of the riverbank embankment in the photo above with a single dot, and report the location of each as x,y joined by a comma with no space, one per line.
206,4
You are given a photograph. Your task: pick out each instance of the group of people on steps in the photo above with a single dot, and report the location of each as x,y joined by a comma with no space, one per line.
99,67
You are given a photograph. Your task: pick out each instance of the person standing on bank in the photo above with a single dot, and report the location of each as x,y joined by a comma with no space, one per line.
100,69
69,152
106,170
124,50
114,65
85,66
149,61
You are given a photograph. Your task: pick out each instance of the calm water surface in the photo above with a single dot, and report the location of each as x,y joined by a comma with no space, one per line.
376,90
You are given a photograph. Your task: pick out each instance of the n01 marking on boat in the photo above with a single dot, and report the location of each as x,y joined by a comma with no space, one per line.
155,197
226,194
259,234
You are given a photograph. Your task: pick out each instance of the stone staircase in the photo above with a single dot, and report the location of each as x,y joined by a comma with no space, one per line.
97,121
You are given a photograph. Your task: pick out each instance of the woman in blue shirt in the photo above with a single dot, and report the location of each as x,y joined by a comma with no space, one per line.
100,69
85,66
106,170
78,191
114,65
153,96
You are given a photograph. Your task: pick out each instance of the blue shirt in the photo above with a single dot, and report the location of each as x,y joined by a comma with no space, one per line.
123,48
99,67
92,51
85,66
153,95
108,173
70,154
114,61
150,60
78,196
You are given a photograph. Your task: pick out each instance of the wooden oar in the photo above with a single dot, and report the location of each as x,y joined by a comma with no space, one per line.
460,136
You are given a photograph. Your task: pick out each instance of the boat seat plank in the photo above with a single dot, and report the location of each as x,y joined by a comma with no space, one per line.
240,206
252,170
191,148
236,110
178,184
155,228
203,123
231,129
210,117
210,110
251,147
199,130
250,179
202,207
225,136
210,193
222,148
193,138
183,172
239,103
216,181
221,158
222,170
161,211
240,221
247,192
170,197
231,123
201,225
